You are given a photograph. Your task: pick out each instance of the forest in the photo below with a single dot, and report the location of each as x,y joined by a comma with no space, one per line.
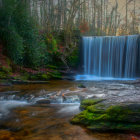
37,33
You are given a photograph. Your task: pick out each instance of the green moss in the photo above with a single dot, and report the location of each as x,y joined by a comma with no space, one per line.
97,108
44,77
25,76
109,126
98,116
5,72
22,77
52,67
55,74
3,75
39,77
84,117
81,86
89,102
118,113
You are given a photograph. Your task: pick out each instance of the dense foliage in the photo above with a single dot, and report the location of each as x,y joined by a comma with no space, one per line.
24,43
19,34
39,33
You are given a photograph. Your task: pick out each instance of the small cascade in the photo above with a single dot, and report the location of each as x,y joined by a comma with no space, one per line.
10,99
33,99
111,56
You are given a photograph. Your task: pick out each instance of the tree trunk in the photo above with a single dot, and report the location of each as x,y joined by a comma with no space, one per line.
126,15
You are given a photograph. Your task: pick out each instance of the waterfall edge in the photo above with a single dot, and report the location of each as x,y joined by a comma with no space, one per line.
110,58
96,78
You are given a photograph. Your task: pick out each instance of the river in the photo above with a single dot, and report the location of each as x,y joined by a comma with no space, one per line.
25,113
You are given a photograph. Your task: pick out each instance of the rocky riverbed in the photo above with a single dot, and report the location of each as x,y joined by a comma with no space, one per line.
44,111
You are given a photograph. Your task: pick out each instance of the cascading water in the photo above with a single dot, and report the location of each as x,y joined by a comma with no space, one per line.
110,57
13,99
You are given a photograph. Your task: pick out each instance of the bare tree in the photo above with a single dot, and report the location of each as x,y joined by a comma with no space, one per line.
102,17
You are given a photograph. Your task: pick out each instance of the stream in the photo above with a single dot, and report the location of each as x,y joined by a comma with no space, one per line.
43,111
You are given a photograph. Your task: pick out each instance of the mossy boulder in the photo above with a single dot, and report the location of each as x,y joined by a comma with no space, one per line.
89,102
39,76
105,117
81,86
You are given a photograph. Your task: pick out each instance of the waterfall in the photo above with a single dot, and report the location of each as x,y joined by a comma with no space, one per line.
111,56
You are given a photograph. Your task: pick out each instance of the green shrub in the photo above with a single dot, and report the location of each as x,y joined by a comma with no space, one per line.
20,35
39,76
3,75
73,59
5,69
14,45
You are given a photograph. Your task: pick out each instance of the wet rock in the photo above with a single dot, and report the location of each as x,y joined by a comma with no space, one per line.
44,101
81,86
105,117
57,99
71,99
28,82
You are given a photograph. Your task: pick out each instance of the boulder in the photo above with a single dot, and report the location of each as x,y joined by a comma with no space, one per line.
81,86
99,116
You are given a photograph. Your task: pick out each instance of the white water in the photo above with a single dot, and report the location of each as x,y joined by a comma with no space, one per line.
8,102
6,106
96,78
